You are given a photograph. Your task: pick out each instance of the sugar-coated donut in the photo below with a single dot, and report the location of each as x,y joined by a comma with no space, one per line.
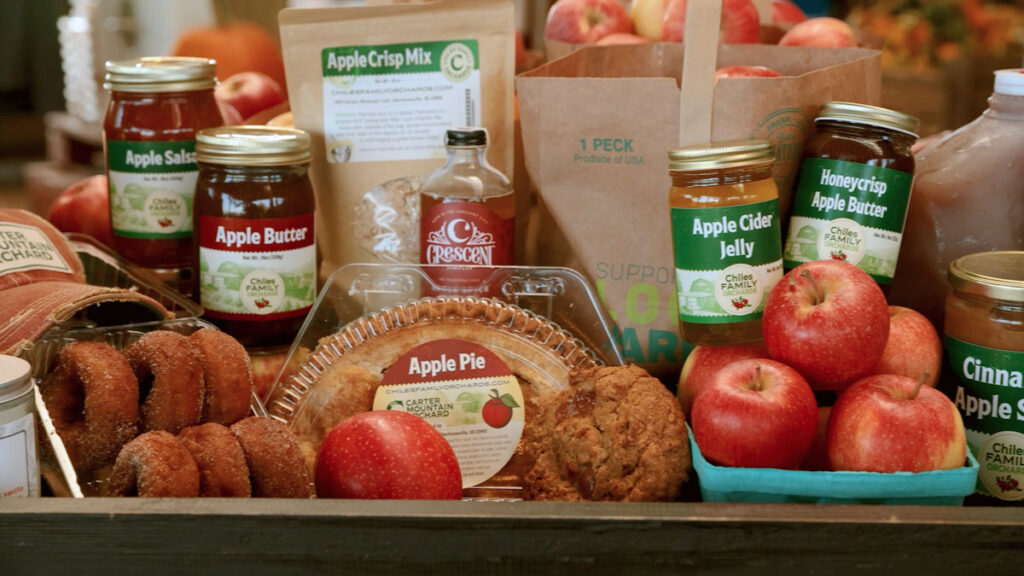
276,466
227,375
93,399
155,464
170,380
222,468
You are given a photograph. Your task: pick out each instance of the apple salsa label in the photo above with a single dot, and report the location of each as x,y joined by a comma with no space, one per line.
849,211
727,260
24,248
151,188
392,101
468,394
990,397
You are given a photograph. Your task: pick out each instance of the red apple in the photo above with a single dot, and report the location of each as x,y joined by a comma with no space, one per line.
913,349
622,38
579,21
745,72
387,454
740,22
785,12
228,112
704,362
823,32
249,92
891,423
755,413
829,320
84,207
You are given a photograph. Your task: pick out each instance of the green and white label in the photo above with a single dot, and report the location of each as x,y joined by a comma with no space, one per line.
990,397
849,211
727,260
152,185
394,101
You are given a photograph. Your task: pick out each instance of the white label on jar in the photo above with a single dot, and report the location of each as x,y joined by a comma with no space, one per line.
19,465
24,248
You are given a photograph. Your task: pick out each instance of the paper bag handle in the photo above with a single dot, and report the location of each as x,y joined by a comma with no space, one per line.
703,20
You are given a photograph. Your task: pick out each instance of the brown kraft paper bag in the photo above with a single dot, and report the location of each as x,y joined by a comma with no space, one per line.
597,126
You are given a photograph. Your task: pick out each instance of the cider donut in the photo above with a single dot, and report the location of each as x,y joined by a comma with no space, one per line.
155,464
221,462
170,380
277,468
227,375
93,399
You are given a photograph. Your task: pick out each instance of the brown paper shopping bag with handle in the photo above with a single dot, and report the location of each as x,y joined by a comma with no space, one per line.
597,126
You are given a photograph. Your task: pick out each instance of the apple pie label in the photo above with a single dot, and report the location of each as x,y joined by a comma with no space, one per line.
152,185
727,260
468,394
19,468
24,248
256,269
849,211
457,234
990,397
394,101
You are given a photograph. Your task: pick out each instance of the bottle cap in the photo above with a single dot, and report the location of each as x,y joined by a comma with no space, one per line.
15,377
252,146
1010,82
998,275
857,113
161,74
466,137
720,155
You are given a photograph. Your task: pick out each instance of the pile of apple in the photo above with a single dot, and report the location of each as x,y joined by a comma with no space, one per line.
826,327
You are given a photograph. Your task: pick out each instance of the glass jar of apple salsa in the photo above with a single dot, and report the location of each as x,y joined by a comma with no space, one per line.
726,239
854,189
156,107
984,340
254,249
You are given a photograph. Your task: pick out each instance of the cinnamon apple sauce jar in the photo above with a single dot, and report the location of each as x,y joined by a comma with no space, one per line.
984,341
156,107
255,249
726,239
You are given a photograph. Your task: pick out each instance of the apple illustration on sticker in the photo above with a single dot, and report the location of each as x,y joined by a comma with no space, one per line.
497,412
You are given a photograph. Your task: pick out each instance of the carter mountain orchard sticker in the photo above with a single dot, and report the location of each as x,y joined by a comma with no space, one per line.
24,248
151,188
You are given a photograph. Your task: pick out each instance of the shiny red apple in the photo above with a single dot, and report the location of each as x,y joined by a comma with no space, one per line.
740,22
822,32
84,207
745,72
248,93
755,413
829,320
622,38
785,12
890,423
913,349
580,21
704,362
387,454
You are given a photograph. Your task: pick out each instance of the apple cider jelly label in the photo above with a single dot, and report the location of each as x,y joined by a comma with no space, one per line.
256,269
468,394
24,248
394,101
990,397
152,185
727,260
849,211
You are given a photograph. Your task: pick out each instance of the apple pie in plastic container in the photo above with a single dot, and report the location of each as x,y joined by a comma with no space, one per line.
473,364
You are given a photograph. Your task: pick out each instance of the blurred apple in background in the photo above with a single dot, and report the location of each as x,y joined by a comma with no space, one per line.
249,93
84,207
648,18
913,349
785,12
822,32
745,72
704,362
622,38
740,22
580,21
229,113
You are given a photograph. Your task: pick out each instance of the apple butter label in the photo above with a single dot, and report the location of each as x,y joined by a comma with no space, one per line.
256,269
464,233
394,101
849,211
151,188
990,397
467,393
19,468
727,260
24,248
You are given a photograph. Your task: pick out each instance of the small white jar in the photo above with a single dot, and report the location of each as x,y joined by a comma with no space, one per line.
19,460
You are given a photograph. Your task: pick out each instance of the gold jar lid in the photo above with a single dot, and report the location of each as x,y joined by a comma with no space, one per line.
997,275
252,146
871,115
161,74
720,155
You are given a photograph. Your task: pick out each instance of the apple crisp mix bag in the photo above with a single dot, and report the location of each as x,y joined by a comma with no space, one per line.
376,86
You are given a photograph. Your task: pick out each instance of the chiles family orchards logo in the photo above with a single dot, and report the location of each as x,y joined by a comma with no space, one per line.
460,241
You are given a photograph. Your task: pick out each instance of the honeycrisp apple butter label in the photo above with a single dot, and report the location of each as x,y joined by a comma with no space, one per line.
849,211
468,394
727,260
24,248
394,101
152,185
990,397
256,269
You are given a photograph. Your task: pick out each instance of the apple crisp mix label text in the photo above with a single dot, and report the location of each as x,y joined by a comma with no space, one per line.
849,211
19,472
468,394
24,248
152,185
393,101
990,397
727,260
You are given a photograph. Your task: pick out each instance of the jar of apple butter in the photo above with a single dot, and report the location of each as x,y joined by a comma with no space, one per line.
156,107
984,341
255,249
853,189
726,239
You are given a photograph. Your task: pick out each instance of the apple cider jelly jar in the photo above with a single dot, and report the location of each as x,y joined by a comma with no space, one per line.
726,239
984,340
255,249
156,107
